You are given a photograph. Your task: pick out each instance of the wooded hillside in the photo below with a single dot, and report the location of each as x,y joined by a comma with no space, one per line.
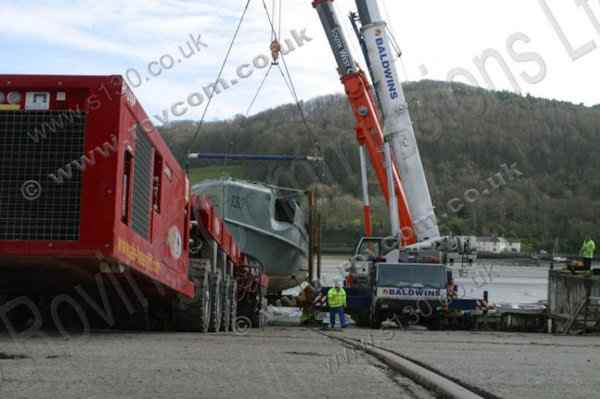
549,186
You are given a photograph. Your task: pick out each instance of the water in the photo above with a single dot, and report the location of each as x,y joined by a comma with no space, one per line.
506,283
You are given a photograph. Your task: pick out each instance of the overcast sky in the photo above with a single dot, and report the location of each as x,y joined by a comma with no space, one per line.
551,47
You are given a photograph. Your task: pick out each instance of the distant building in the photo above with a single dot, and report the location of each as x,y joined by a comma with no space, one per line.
514,245
489,244
498,245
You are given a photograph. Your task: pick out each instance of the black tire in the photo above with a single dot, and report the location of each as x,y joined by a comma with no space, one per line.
434,324
194,314
225,303
361,319
216,309
375,319
233,309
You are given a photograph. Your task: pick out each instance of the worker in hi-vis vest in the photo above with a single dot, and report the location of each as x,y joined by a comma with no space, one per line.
336,300
588,249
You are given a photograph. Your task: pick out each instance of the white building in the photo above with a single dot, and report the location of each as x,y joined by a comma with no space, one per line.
514,245
498,245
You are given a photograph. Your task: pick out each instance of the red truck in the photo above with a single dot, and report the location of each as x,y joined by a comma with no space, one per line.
95,210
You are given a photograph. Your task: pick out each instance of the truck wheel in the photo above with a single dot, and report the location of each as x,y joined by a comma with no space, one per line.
194,314
361,319
233,308
376,320
214,283
434,324
226,303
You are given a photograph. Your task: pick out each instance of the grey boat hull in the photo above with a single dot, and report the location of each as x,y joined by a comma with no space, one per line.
253,214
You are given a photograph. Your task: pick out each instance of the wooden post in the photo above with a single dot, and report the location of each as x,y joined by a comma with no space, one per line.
318,228
311,235
588,292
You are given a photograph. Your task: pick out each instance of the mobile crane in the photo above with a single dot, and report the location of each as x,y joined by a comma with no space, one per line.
387,275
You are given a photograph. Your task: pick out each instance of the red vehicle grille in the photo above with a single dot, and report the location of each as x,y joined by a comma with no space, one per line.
34,146
142,183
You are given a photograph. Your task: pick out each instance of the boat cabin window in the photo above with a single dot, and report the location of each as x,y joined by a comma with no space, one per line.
285,210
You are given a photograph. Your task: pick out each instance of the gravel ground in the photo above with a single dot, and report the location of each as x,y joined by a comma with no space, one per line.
293,362
509,365
277,362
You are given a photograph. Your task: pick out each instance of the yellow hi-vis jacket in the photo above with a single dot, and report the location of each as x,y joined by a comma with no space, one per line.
336,297
588,249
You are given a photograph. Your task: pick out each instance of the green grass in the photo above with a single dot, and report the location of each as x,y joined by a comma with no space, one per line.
211,172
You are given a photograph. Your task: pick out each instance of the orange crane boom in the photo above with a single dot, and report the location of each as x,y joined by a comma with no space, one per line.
369,130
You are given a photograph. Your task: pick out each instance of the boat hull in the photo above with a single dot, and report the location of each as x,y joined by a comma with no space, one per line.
253,214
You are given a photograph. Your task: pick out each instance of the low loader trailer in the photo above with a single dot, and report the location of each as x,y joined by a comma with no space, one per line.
97,220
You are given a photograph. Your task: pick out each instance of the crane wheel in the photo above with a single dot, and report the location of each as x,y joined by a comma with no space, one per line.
375,319
361,319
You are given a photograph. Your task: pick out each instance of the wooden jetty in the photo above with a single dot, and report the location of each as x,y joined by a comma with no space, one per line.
573,302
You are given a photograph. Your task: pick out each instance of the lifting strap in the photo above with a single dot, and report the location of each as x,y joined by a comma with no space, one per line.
210,98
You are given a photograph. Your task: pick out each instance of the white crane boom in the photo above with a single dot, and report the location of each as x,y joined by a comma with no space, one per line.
398,128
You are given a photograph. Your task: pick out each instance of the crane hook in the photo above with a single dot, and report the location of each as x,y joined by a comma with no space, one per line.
275,51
